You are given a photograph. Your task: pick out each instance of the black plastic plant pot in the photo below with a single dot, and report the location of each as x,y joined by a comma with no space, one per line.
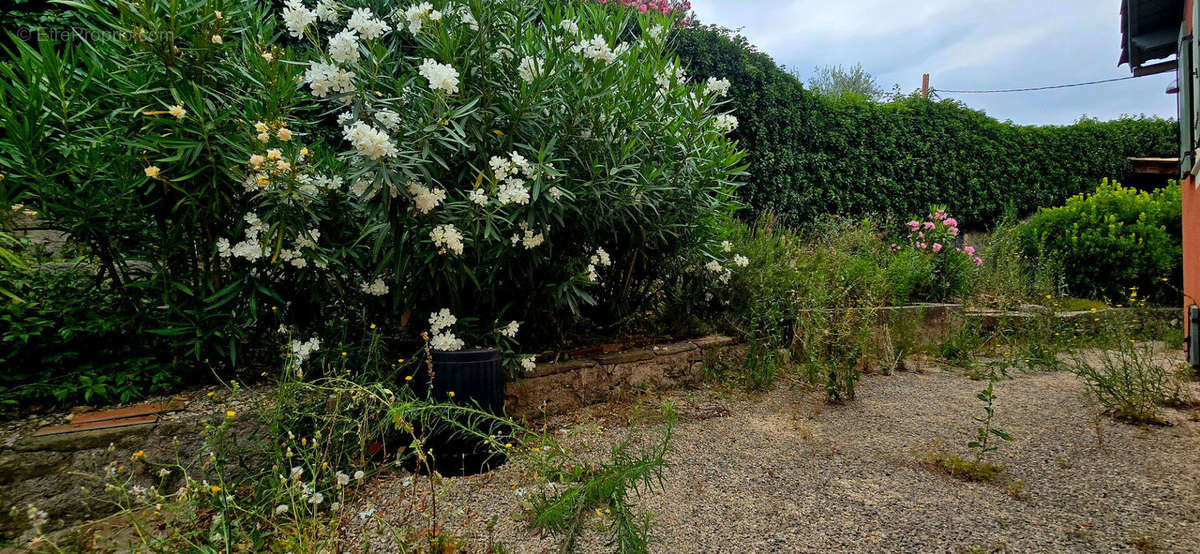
472,378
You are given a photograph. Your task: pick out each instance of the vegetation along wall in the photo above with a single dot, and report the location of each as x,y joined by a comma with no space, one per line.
813,154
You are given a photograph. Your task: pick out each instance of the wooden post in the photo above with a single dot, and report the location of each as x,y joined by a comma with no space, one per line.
925,86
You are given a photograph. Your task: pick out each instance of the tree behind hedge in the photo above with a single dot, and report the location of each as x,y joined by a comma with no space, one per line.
812,154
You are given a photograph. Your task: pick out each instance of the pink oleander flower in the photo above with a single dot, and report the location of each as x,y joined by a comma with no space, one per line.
970,250
930,225
978,260
953,231
921,245
937,247
914,224
951,222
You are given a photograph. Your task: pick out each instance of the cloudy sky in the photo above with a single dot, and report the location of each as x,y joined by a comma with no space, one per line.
963,45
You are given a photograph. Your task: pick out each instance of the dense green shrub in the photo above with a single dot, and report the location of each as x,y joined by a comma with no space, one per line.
812,155
65,341
246,167
1112,240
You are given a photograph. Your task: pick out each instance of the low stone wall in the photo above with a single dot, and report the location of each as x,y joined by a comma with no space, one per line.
555,388
61,467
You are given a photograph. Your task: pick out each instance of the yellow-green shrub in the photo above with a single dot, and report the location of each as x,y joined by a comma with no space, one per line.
1112,240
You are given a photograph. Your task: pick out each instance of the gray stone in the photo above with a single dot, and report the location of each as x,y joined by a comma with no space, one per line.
82,440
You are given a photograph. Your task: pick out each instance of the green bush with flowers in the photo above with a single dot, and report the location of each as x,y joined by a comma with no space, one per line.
469,170
1112,240
518,161
928,262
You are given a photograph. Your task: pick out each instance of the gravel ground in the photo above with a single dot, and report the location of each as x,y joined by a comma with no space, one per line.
783,471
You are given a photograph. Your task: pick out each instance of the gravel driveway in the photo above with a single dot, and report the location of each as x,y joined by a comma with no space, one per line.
783,471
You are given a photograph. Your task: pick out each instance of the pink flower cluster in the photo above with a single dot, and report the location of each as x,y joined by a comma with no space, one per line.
936,234
683,7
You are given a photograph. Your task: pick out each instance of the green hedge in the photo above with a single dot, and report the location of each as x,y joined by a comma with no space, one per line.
812,154
1113,240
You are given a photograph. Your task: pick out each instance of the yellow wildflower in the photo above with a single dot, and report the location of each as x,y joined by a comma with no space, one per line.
152,172
229,414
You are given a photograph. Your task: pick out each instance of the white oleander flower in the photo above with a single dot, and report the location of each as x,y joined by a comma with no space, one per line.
424,198
591,273
596,48
741,261
441,319
528,364
478,196
367,25
555,193
417,14
447,237
671,76
714,266
343,47
375,288
601,258
529,68
177,111
440,76
325,78
369,141
501,167
569,26
530,240
656,31
513,192
326,11
468,19
726,123
718,87
388,118
446,342
511,329
223,247
297,18
726,246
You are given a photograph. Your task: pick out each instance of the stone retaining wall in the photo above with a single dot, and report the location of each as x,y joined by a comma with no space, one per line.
555,388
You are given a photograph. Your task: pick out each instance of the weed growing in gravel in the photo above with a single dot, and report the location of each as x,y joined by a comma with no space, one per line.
1128,380
982,445
581,488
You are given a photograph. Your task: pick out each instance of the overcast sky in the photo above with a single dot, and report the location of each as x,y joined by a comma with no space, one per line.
963,45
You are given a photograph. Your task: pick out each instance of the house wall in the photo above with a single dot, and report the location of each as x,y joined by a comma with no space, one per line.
1191,243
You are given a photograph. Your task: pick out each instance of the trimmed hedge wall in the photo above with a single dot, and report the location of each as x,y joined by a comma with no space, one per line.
811,154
